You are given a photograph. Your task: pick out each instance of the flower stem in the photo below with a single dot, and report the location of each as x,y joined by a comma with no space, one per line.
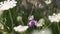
31,10
22,22
22,32
58,28
46,26
49,25
11,21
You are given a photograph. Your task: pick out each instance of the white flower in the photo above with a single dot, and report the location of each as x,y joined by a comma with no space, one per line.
41,22
35,32
20,28
54,17
48,1
31,17
5,5
41,6
43,31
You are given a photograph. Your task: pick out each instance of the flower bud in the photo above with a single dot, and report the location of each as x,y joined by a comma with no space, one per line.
19,18
42,20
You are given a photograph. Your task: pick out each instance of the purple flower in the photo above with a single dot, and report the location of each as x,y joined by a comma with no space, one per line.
31,23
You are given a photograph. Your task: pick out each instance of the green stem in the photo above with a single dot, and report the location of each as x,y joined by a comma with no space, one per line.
46,26
58,28
49,25
11,21
22,32
22,22
31,10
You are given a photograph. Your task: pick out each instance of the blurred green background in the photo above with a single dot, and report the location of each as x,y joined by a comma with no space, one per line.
24,11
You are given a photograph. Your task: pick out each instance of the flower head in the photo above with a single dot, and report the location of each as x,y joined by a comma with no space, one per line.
43,31
31,17
20,28
5,5
54,17
31,23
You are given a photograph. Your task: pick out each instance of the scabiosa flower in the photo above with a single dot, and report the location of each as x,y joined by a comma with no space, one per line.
32,23
5,5
21,28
